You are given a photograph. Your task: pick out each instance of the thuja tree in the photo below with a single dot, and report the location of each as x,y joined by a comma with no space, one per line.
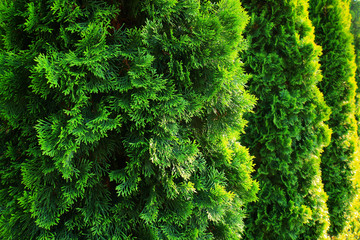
332,29
352,230
355,30
286,134
120,120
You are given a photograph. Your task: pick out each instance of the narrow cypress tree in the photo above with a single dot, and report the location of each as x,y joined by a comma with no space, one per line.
287,132
332,20
120,119
352,229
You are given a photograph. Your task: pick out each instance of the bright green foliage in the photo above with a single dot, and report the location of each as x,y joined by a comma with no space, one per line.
332,20
120,120
287,132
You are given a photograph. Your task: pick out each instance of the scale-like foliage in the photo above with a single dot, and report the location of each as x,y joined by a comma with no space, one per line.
332,20
120,119
355,30
287,132
352,228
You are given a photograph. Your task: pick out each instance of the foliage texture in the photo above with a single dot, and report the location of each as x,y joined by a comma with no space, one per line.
120,120
352,228
332,20
286,134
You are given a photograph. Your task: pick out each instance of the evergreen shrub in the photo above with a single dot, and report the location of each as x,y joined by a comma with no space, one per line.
287,133
120,120
352,228
332,21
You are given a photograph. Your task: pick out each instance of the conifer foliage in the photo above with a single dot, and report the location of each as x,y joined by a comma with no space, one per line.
286,134
355,30
332,20
120,119
354,225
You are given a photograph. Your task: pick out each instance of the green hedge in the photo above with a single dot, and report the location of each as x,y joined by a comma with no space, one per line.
286,134
332,20
120,120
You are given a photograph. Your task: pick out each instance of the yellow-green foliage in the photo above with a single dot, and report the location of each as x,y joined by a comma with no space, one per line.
352,228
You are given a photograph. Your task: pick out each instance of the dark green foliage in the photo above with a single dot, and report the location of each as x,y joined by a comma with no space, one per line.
331,19
287,132
119,120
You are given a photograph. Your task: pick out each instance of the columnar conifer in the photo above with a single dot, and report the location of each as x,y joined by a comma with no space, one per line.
352,230
355,30
120,119
286,134
332,20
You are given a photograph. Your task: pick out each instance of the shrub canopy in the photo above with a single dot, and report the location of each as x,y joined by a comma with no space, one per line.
120,119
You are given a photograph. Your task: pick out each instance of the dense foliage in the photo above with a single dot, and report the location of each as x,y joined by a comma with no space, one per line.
120,119
332,20
355,30
286,134
126,119
352,230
